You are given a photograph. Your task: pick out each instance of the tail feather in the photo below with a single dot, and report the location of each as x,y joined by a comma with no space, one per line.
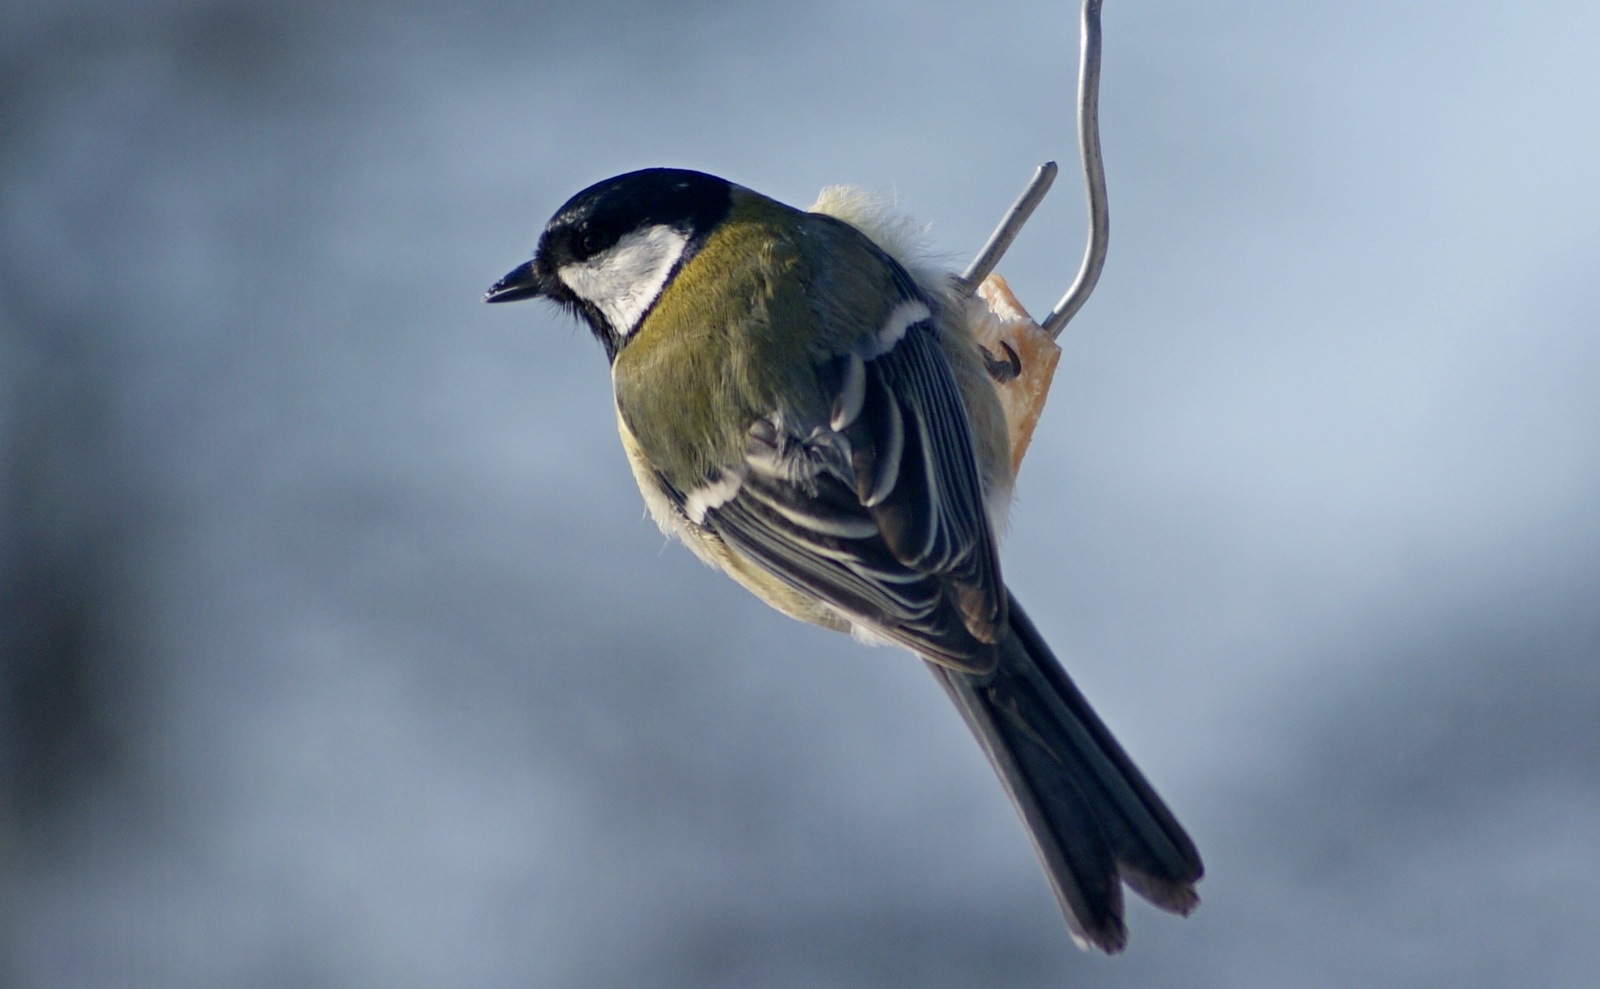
1093,818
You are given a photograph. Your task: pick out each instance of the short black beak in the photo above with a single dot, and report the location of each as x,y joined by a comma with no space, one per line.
521,282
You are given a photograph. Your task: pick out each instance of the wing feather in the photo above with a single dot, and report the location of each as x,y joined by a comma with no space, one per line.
883,520
914,428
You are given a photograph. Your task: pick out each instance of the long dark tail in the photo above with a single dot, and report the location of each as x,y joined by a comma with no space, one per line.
1094,820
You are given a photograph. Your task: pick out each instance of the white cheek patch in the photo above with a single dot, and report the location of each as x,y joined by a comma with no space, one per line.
624,280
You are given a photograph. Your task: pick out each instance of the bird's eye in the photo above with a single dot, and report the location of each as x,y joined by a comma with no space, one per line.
591,242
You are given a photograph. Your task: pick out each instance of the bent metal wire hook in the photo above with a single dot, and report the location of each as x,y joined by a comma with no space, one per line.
1094,181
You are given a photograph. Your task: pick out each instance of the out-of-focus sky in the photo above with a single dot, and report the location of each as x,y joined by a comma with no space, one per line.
338,651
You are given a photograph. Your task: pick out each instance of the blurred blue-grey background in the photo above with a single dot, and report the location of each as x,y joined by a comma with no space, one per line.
338,652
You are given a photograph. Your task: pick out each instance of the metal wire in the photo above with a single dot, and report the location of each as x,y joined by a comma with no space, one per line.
1010,225
1094,181
1094,173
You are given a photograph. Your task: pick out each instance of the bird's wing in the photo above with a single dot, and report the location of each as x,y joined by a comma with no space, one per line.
877,511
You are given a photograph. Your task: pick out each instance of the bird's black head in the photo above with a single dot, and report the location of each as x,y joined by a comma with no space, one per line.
609,251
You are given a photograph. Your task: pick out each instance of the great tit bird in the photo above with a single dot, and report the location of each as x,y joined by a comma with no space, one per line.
811,415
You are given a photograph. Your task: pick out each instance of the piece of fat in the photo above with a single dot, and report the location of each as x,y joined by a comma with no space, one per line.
1012,341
